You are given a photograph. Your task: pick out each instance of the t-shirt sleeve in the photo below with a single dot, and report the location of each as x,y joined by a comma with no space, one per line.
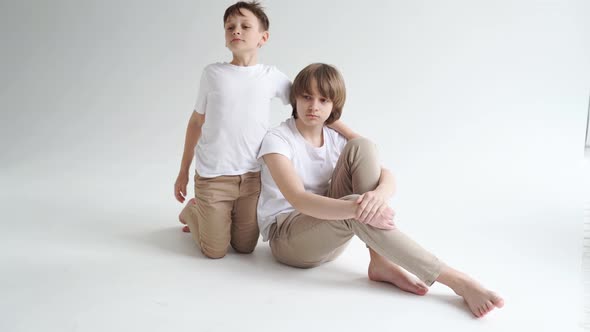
274,143
283,86
201,104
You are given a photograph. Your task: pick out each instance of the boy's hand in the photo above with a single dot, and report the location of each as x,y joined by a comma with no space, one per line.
370,203
382,220
374,210
180,187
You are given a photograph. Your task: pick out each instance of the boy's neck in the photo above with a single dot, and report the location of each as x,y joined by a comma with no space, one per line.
313,135
244,60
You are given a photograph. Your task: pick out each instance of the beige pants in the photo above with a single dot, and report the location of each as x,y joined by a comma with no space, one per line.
225,213
303,241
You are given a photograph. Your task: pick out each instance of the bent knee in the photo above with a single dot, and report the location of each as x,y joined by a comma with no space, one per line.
361,142
214,251
214,254
247,250
245,247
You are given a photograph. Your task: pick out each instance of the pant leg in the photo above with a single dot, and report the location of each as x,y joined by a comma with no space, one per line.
357,170
244,227
304,241
295,240
212,213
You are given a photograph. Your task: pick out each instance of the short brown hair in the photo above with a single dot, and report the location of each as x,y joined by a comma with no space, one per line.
329,82
253,6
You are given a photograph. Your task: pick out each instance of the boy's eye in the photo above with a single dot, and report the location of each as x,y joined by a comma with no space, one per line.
323,100
306,97
246,27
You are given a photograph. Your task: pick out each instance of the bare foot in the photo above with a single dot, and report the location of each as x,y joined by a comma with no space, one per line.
380,269
192,201
479,299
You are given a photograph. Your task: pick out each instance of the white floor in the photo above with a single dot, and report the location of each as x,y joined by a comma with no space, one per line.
99,255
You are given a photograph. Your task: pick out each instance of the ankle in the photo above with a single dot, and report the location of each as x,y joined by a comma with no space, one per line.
456,280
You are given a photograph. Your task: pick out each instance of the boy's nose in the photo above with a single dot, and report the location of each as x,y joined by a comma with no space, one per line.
314,105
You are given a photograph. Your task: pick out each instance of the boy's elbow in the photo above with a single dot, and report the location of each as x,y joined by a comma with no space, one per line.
297,201
196,120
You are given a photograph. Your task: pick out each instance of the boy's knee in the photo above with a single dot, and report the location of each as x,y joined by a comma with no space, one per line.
214,254
214,250
244,247
244,250
361,142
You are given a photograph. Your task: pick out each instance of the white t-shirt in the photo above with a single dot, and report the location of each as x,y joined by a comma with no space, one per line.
236,104
314,166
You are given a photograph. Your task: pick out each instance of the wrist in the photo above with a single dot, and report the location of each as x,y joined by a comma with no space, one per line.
352,209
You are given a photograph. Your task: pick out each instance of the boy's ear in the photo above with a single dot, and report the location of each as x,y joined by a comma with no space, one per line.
264,39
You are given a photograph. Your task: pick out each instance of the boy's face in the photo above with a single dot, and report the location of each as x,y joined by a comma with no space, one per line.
243,33
313,109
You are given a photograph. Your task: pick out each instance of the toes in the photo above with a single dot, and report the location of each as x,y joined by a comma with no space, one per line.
482,312
497,301
417,289
422,289
477,313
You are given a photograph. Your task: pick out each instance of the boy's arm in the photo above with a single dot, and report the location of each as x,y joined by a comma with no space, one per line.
344,130
317,206
386,183
193,133
290,185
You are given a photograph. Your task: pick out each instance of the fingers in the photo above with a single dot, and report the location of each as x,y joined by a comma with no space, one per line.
385,224
367,207
360,199
367,203
383,219
180,187
375,210
388,212
179,193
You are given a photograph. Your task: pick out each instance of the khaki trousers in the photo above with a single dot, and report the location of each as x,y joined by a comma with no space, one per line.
225,213
303,241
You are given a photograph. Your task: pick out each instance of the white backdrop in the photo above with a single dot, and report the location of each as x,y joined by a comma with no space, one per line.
488,99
